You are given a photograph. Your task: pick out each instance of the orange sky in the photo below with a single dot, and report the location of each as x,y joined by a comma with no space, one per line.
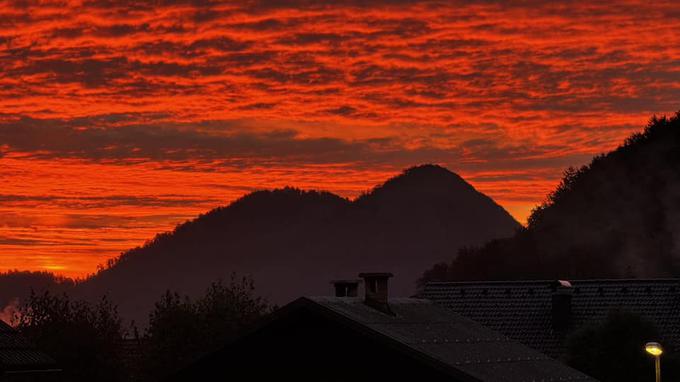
120,121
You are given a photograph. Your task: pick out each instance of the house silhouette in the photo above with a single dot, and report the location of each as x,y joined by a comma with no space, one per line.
372,338
540,314
20,361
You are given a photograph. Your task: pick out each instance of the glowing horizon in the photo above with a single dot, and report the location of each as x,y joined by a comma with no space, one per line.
119,122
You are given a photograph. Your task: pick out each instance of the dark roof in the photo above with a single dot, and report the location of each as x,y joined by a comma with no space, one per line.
522,309
453,343
17,355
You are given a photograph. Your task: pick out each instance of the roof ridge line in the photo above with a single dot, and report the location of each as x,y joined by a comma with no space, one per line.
501,282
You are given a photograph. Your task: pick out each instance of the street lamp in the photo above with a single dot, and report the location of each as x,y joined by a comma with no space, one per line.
654,348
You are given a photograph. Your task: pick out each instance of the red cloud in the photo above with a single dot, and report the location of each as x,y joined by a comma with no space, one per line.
274,93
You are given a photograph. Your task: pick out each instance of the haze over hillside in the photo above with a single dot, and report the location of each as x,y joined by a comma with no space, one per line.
617,217
294,242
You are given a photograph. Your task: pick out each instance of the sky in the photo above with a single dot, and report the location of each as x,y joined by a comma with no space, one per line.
119,120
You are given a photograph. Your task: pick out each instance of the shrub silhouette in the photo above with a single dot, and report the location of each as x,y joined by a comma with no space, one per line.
613,350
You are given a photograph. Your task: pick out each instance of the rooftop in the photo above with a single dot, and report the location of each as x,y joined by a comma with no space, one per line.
522,309
17,355
455,343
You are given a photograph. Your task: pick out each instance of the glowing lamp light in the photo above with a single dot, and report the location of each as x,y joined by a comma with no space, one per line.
653,348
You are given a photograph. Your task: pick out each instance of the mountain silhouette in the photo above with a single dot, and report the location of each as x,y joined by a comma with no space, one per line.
618,216
17,285
295,242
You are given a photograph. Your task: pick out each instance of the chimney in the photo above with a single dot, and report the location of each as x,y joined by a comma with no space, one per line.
375,285
561,304
346,288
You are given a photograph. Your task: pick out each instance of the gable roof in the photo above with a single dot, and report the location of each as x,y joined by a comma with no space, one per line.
17,355
456,345
522,310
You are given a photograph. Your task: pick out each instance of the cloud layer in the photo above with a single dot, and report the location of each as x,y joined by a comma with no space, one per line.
206,100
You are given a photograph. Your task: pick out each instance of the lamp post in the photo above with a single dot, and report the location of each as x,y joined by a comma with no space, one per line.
654,348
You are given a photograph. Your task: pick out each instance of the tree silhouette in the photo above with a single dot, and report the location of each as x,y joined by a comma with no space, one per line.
613,350
83,338
181,330
618,216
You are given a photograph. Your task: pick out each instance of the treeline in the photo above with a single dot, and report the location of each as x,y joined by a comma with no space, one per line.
618,216
90,342
16,285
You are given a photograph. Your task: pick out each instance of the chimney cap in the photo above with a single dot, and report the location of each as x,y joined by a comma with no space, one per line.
366,275
346,281
346,288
